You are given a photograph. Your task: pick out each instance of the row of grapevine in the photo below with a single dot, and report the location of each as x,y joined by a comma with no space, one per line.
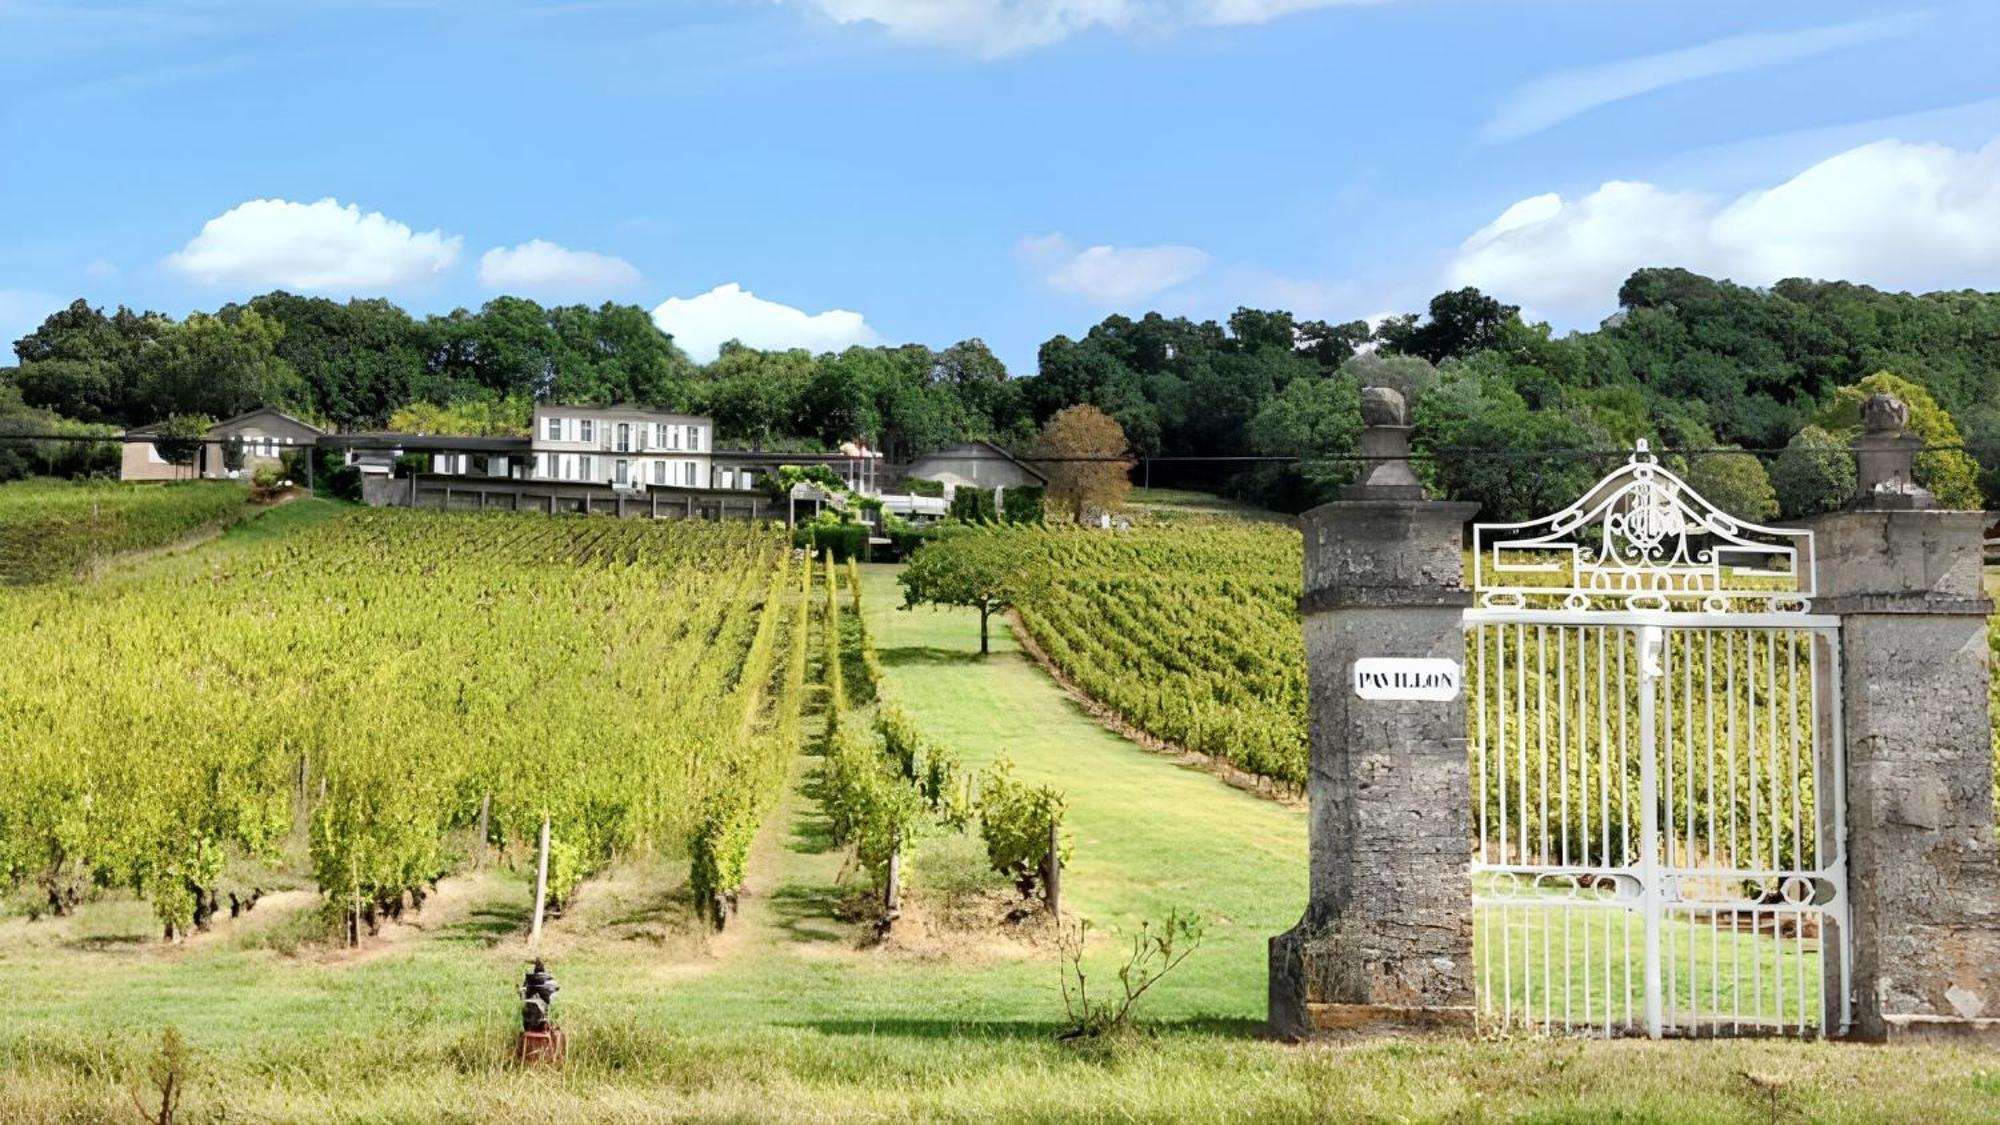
58,529
884,781
1190,633
384,677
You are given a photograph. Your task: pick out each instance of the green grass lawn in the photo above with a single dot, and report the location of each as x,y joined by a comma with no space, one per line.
790,1015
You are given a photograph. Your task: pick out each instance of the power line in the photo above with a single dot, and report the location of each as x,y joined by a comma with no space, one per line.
438,443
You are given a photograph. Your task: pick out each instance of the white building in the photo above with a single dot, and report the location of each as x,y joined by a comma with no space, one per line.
622,446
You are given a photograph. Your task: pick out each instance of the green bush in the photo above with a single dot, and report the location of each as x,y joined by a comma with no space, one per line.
828,532
933,770
343,483
973,505
931,488
866,805
720,854
1022,504
1015,820
266,482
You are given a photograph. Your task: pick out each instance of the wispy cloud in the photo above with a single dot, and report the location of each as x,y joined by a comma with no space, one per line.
993,29
1554,98
1111,276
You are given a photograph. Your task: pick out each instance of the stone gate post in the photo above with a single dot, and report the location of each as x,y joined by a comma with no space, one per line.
1923,874
1386,941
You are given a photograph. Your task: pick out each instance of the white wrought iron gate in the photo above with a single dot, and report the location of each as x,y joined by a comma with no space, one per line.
1656,762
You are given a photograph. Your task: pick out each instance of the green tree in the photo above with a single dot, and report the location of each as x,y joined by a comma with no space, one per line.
358,361
755,395
1460,323
209,365
1814,474
967,571
82,364
838,405
474,417
1735,482
179,439
616,354
1087,463
1315,419
1486,445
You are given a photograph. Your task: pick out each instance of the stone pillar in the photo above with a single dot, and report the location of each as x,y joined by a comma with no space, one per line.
1923,876
1386,941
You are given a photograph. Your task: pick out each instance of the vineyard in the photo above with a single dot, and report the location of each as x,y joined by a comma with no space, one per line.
343,693
56,529
388,683
1189,632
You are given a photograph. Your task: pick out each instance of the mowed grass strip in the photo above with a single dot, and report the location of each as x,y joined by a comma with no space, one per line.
1149,835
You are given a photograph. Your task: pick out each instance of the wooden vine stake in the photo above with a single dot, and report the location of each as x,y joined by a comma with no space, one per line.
541,887
485,822
1052,869
892,894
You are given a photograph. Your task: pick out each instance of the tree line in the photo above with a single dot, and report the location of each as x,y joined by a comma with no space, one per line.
1690,362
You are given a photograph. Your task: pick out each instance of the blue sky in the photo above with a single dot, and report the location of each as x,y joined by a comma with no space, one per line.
819,172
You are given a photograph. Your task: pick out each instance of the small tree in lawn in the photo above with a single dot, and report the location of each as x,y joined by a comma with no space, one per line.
180,438
962,572
1087,460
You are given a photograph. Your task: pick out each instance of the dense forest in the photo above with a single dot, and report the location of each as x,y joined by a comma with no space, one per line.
1756,388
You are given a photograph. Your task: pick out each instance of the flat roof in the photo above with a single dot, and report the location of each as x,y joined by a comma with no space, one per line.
542,408
443,443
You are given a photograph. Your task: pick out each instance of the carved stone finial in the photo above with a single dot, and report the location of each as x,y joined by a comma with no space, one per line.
1884,414
1383,406
1385,445
1885,458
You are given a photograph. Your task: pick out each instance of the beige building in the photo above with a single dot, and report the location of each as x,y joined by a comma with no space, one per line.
976,464
622,446
266,435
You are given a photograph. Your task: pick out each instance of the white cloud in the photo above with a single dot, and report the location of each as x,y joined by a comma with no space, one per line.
321,245
702,324
544,267
1555,98
995,28
101,269
1110,275
1890,214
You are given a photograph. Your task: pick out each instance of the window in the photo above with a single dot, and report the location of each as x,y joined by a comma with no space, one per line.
584,428
694,437
587,465
660,434
659,472
688,472
624,437
622,472
555,428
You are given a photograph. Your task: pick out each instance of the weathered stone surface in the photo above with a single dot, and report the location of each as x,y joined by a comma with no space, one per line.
1387,935
1898,558
1923,870
1360,545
